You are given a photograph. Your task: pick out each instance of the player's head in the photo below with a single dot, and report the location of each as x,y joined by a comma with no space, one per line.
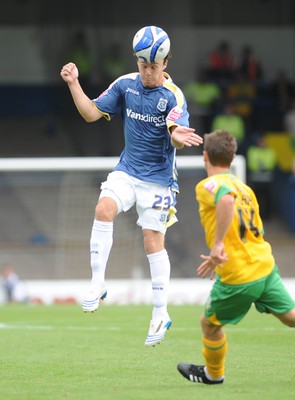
151,74
220,147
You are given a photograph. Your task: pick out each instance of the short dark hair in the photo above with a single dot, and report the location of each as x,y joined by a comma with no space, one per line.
221,147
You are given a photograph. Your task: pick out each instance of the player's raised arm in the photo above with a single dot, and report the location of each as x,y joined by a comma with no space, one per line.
84,105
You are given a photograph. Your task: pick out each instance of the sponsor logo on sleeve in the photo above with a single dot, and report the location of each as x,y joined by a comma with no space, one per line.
103,93
211,185
174,114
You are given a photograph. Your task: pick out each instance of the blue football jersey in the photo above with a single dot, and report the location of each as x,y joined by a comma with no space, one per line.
147,115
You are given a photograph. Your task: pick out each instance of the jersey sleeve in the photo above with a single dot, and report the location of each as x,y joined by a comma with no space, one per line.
178,113
210,191
223,190
109,102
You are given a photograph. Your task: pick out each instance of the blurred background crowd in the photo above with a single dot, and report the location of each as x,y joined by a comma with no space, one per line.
235,62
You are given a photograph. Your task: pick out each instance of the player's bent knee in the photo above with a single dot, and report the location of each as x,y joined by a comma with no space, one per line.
106,209
210,331
153,241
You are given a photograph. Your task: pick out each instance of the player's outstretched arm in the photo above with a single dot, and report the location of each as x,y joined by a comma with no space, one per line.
85,106
217,256
184,136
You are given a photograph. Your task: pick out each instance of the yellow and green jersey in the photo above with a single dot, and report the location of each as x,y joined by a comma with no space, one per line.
249,255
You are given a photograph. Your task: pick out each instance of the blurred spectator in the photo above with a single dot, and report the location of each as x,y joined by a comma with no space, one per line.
283,91
221,62
231,122
15,289
113,64
79,53
289,119
248,65
261,164
289,127
202,96
242,93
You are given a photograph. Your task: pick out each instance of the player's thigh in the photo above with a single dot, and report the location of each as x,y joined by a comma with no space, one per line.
287,318
275,298
120,187
228,304
154,205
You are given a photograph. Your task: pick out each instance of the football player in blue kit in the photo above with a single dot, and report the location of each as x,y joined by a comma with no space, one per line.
155,124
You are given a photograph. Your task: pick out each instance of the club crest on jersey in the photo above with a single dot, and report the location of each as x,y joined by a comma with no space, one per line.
162,105
210,185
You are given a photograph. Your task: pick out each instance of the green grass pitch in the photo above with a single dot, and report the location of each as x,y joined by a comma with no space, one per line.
58,352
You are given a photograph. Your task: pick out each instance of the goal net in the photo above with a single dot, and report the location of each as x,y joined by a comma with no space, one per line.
47,210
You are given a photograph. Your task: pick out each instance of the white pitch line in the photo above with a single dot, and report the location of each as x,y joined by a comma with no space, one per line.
49,328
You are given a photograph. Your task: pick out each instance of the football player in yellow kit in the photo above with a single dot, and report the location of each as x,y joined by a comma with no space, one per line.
240,258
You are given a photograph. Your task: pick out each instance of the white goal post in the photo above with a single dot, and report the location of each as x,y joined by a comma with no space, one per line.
47,210
101,163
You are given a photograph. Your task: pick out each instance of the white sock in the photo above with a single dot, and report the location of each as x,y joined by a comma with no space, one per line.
160,274
210,377
101,242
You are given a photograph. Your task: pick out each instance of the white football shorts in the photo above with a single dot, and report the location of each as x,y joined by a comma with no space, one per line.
155,204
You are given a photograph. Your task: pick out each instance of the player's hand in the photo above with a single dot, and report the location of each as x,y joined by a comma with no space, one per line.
185,136
207,268
69,72
217,254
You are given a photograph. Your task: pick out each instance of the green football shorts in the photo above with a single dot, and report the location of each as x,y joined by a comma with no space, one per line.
228,304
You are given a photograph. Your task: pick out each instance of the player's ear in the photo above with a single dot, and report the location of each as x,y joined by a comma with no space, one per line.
205,155
165,63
